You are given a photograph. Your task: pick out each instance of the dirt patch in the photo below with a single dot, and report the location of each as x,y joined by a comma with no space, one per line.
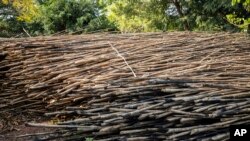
13,125
22,130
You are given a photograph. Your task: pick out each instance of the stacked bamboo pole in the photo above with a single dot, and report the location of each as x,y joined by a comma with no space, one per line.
174,86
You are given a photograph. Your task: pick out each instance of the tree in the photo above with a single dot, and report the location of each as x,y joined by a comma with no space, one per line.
26,9
136,16
241,18
9,25
71,15
152,15
16,15
210,15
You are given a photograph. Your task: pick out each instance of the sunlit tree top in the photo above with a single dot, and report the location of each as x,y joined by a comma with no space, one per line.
27,9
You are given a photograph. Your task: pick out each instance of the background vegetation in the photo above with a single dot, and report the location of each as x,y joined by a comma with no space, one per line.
45,17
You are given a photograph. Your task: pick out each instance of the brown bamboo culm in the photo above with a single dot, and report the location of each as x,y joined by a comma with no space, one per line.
148,86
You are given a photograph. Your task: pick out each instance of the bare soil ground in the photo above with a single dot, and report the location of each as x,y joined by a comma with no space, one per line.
22,130
13,125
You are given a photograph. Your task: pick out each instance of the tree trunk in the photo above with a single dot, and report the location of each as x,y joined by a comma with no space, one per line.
179,10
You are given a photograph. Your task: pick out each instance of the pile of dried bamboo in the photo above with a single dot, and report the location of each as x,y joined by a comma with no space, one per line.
153,86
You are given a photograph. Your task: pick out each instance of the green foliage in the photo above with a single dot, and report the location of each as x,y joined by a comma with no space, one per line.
139,16
9,25
26,9
71,15
241,18
88,139
80,16
161,15
209,15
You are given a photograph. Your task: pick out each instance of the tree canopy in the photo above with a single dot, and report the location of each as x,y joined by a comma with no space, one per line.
241,18
26,9
40,17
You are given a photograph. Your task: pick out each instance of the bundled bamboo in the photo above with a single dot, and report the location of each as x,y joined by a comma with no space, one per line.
154,86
